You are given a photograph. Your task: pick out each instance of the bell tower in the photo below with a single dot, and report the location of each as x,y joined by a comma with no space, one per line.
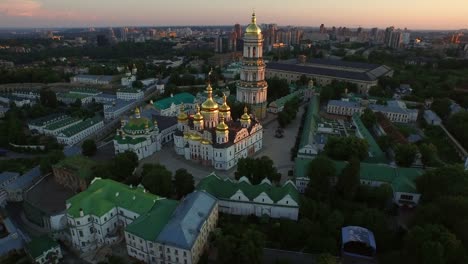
252,87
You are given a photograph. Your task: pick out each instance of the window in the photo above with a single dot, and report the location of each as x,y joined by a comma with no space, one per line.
83,244
78,222
176,252
406,197
81,233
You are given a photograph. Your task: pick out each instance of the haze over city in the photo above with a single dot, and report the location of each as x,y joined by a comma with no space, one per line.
418,14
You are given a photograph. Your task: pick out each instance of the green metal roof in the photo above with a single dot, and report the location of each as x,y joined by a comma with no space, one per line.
401,179
80,164
225,189
39,245
376,154
281,101
138,124
64,122
149,225
177,99
75,129
310,123
103,195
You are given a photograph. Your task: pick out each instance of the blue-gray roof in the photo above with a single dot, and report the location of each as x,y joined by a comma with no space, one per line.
106,96
187,220
119,104
358,234
6,176
25,180
344,103
13,241
343,70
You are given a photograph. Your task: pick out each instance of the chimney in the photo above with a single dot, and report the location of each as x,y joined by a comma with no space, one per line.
81,212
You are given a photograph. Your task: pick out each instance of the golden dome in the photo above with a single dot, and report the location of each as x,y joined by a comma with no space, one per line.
186,136
222,126
147,124
245,116
137,110
224,107
252,28
206,142
182,115
195,137
209,105
198,117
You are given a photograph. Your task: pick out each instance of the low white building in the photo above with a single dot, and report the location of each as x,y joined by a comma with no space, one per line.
117,108
76,133
40,123
170,106
156,229
18,101
395,111
243,198
92,79
129,94
401,180
44,250
144,133
180,234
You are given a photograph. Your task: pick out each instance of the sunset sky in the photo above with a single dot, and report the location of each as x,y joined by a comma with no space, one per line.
413,14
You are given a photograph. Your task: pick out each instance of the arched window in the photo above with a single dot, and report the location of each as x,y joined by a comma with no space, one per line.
254,52
248,52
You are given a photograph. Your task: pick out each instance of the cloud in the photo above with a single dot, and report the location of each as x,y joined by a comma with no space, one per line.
20,8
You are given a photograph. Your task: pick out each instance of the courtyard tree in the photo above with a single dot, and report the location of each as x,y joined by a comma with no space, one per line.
157,179
428,154
48,98
184,183
349,180
327,258
52,158
344,148
123,165
450,180
89,147
405,154
321,171
442,107
241,247
257,169
368,118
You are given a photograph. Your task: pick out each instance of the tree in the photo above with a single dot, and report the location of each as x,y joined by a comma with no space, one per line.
368,118
349,180
405,154
48,98
326,259
257,169
123,165
384,142
457,124
89,147
344,148
321,171
451,180
184,183
137,84
157,179
433,244
241,247
442,107
428,154
277,87
52,158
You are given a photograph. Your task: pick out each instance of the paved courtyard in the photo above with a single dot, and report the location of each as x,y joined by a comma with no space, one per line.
278,149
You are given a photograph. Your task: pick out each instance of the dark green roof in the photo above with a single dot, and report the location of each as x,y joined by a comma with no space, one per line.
64,122
401,179
149,225
75,129
177,99
103,195
129,140
376,154
80,164
281,101
225,189
310,123
39,245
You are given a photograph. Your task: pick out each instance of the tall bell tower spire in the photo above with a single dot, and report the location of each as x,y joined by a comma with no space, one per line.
252,87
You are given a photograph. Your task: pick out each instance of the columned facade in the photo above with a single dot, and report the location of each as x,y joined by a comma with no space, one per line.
252,87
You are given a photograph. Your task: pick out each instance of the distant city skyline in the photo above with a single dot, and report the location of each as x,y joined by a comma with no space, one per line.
416,14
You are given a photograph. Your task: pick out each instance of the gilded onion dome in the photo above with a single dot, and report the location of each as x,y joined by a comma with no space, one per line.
195,137
182,115
224,107
205,142
245,116
222,127
198,117
209,105
253,28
